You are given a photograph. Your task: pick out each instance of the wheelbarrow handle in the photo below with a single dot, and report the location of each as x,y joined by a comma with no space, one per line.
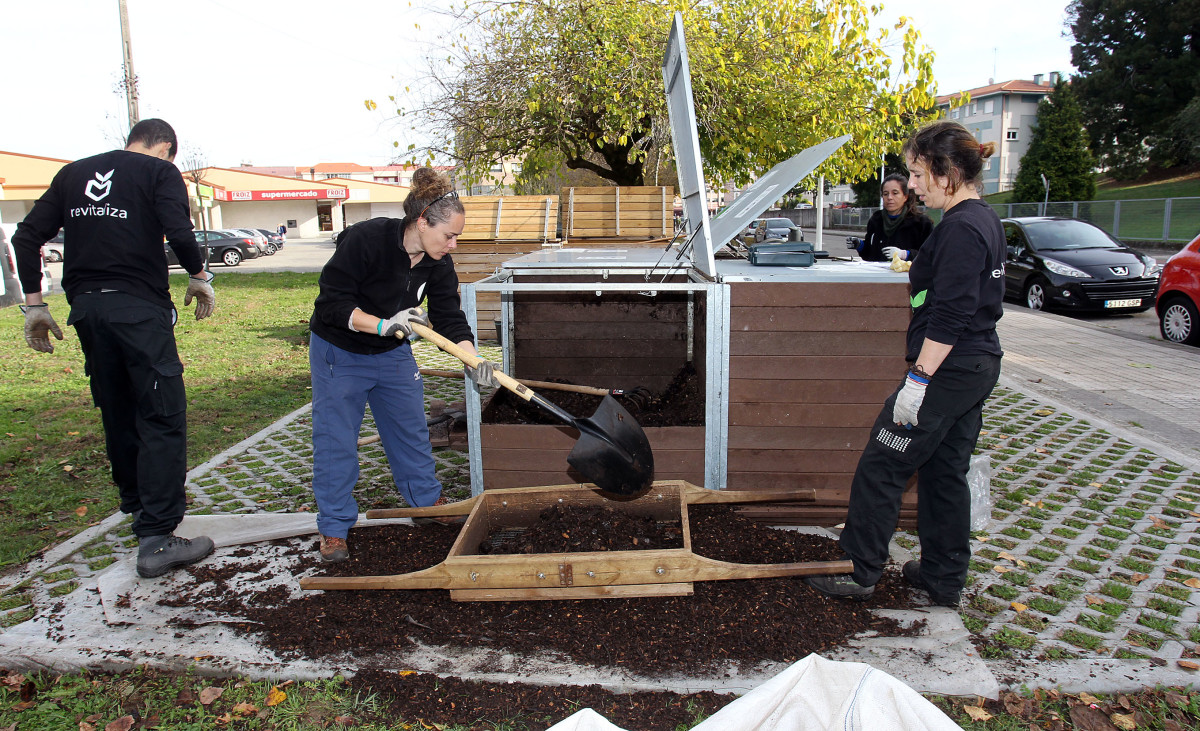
452,348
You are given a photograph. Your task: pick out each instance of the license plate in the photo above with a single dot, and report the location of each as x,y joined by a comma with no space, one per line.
1123,303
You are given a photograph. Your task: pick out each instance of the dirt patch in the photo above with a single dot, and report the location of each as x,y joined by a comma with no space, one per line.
576,529
723,626
681,403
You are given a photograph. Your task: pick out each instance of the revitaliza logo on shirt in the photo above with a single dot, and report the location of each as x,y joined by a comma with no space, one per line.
98,189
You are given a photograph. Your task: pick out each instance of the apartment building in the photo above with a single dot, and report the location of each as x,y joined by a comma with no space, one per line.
1004,113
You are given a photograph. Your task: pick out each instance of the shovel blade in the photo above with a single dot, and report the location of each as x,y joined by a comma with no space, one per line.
613,451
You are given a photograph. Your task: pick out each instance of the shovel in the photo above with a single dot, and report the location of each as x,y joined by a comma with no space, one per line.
612,452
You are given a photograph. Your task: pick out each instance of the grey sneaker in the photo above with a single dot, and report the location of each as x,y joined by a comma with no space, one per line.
156,556
840,586
912,574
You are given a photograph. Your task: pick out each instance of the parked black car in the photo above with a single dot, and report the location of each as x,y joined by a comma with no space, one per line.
223,248
1064,263
773,228
273,237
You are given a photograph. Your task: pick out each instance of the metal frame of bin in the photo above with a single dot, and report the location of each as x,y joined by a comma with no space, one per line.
716,380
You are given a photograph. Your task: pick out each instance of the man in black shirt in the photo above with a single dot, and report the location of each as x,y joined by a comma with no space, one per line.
115,209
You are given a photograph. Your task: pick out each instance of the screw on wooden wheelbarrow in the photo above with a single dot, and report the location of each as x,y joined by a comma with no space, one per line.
612,450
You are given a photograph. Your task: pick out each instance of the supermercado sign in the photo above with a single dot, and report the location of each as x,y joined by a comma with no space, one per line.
286,195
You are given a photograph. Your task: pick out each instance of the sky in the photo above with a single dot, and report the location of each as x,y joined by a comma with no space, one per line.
283,82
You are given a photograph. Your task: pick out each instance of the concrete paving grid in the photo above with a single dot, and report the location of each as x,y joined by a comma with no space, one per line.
1092,558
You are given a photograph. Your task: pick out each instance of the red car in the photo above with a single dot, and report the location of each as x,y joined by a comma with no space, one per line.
1179,296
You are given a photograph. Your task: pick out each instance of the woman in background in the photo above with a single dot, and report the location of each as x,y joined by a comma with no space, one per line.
898,226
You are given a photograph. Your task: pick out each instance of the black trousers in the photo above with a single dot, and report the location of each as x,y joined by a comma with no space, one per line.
939,451
137,382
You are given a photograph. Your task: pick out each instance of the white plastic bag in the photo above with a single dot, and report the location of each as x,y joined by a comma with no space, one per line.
979,482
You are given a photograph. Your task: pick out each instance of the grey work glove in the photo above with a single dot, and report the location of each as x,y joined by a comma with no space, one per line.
201,289
909,400
402,322
888,251
38,326
852,242
483,374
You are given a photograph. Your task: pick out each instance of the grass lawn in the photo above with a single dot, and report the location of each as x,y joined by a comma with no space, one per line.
246,366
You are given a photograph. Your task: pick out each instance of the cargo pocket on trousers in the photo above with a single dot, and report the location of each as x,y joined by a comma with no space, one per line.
167,395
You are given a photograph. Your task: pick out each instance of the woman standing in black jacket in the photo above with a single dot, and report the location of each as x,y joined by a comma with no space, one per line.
898,226
932,421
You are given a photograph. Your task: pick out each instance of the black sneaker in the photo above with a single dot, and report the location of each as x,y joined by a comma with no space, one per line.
912,574
840,586
172,553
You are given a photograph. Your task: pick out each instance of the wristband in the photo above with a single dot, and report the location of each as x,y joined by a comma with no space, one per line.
921,379
379,329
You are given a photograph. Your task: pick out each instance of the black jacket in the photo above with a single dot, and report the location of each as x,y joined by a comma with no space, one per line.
371,271
957,283
910,234
115,208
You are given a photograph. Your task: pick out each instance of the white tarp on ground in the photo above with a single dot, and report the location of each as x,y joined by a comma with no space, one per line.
810,695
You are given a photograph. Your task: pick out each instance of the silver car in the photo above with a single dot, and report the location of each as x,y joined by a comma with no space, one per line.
260,241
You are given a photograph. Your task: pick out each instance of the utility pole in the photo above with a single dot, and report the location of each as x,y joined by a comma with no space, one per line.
130,77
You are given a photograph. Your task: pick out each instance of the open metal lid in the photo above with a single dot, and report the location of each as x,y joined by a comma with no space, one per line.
706,235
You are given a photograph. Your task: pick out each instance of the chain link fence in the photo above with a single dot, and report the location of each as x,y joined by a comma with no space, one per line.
1166,220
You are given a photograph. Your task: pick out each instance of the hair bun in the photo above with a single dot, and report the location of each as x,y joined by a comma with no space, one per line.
987,149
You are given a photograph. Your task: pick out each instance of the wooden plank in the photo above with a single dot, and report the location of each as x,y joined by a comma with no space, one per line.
666,461
823,484
774,462
572,592
816,343
747,388
818,415
819,294
821,368
803,438
799,319
548,438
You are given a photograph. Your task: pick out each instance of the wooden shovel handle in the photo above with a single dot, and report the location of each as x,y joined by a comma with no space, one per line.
445,344
545,385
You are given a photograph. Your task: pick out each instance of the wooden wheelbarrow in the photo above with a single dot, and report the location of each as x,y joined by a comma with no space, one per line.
598,574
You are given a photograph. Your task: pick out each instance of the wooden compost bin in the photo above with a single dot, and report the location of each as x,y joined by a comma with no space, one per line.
499,228
619,340
810,365
609,216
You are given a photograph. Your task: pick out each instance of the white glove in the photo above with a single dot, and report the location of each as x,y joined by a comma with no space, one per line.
38,326
888,251
402,322
483,374
201,288
908,401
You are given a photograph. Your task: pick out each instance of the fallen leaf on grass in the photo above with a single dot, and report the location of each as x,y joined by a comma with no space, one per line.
275,696
1176,700
245,709
1088,718
1159,522
85,726
344,720
1001,569
1138,578
1187,664
124,723
977,713
1006,555
1094,600
1088,698
1043,412
13,680
81,511
210,694
68,468
1193,583
1123,721
1018,606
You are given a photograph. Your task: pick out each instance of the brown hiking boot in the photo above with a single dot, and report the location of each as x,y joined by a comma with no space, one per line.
334,550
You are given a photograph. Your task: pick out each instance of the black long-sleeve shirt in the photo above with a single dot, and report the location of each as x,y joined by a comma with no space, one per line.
115,209
371,271
957,283
910,234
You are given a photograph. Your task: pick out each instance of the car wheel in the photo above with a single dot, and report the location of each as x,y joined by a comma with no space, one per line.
1178,322
53,256
231,257
1035,294
271,249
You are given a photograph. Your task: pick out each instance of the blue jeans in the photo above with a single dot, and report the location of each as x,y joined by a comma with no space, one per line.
343,383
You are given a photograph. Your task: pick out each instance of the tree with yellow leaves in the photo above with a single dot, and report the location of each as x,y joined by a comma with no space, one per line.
578,83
